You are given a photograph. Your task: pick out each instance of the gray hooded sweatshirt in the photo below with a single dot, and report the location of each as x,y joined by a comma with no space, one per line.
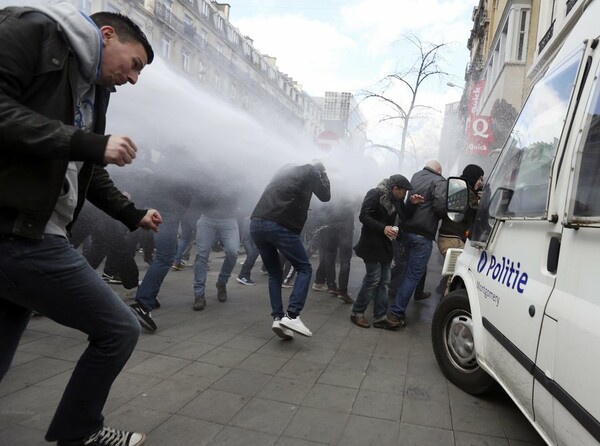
85,40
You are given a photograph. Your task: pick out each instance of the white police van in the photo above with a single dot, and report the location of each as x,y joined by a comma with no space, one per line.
524,305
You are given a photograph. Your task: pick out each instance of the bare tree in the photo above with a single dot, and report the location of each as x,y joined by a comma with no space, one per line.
425,67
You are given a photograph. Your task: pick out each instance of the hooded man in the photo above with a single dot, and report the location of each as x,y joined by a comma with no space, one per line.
381,208
57,67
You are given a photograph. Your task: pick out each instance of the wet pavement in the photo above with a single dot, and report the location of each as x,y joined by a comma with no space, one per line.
221,377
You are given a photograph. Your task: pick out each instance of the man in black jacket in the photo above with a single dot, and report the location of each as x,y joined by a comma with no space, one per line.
277,221
56,68
379,212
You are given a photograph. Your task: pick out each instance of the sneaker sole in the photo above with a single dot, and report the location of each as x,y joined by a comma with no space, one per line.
281,332
308,335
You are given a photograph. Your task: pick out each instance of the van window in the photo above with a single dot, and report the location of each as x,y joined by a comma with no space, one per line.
518,186
587,175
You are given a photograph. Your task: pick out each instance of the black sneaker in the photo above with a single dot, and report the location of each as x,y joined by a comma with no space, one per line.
107,436
143,316
221,292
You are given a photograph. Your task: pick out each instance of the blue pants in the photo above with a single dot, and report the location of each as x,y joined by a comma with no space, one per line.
418,251
374,288
251,251
270,239
165,243
50,277
209,230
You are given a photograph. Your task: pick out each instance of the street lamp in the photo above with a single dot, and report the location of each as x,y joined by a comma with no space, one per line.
450,84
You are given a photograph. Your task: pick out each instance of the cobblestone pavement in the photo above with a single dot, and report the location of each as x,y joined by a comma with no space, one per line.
221,377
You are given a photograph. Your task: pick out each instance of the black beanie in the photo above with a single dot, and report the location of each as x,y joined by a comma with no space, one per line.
472,173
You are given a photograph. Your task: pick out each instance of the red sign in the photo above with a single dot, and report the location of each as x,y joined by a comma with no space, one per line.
479,128
327,139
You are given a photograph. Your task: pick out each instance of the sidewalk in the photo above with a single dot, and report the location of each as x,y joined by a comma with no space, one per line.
221,377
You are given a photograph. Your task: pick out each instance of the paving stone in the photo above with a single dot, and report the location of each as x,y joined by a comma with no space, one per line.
386,381
225,356
334,398
364,431
303,370
286,390
244,382
314,353
341,376
188,350
477,420
469,439
167,396
351,360
413,435
184,431
159,366
135,418
233,436
383,405
200,374
263,415
318,425
214,405
262,363
426,413
41,369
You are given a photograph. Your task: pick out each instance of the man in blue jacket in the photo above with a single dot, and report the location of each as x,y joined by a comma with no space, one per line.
57,67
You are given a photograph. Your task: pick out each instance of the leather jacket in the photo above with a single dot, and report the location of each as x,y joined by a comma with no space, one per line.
38,78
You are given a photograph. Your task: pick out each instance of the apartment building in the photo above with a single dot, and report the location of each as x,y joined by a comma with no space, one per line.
196,38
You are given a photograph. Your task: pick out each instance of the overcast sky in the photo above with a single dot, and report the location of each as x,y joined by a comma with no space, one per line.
349,45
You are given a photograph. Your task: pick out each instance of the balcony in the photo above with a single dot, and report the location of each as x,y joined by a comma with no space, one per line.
546,38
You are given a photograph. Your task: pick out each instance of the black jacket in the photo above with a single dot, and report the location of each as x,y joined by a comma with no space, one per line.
38,73
286,198
432,186
377,212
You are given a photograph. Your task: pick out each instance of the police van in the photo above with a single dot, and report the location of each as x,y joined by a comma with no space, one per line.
523,309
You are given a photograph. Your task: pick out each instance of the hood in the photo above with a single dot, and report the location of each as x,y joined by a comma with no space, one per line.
83,35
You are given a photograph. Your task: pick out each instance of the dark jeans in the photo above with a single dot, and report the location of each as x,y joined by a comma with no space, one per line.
50,277
335,240
418,251
165,242
270,239
250,248
374,288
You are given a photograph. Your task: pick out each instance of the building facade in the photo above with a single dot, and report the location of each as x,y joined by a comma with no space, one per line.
196,38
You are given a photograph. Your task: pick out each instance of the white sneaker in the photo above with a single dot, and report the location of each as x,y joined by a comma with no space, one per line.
319,287
295,325
280,331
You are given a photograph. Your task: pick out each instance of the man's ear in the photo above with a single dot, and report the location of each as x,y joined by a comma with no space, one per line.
108,32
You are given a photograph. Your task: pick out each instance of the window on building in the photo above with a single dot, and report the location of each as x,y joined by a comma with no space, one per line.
204,8
201,72
218,82
185,61
203,38
187,19
85,6
232,91
220,51
523,28
165,47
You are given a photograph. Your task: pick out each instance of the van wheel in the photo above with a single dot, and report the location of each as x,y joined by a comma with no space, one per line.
453,344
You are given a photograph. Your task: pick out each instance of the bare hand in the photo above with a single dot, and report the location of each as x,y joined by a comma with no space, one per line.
151,220
120,150
390,232
416,199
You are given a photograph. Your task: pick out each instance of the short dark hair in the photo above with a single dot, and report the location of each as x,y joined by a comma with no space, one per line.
126,29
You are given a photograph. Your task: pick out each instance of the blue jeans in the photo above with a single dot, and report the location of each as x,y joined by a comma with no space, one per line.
374,288
208,230
271,238
250,248
417,252
165,242
188,224
50,277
